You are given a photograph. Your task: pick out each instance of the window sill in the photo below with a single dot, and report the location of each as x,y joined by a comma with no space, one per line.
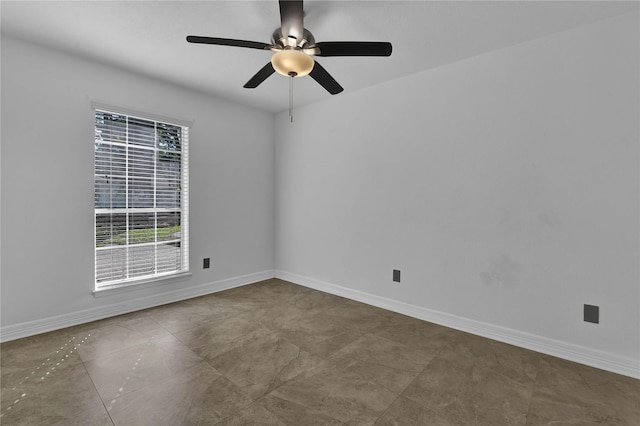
140,284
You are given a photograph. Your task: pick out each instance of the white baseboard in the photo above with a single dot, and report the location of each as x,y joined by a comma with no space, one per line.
569,351
30,328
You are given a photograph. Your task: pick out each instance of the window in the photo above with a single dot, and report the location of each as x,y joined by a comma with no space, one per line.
141,199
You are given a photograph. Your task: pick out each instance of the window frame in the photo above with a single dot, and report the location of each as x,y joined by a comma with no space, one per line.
142,281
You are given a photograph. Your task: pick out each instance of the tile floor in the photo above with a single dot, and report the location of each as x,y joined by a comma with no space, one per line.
275,353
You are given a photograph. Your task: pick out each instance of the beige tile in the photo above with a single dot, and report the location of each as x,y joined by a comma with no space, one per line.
283,290
381,351
248,292
313,301
570,392
112,338
181,316
469,394
140,366
547,410
64,397
33,369
200,396
319,336
393,379
240,299
211,339
356,316
258,366
266,293
274,411
466,349
276,316
339,392
413,332
404,412
37,351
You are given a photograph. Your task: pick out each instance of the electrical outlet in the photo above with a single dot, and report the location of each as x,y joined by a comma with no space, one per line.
205,263
396,275
592,314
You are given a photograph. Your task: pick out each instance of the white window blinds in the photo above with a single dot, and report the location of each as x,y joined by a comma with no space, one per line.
141,199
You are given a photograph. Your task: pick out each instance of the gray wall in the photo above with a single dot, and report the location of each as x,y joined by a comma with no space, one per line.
47,181
505,187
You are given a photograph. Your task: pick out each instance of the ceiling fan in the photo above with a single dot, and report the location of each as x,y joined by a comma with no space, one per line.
293,47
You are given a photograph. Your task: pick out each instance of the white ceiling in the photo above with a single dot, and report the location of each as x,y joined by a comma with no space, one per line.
149,37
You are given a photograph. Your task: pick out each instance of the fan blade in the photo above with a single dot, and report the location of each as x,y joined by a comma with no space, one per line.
319,74
352,48
227,42
260,76
292,19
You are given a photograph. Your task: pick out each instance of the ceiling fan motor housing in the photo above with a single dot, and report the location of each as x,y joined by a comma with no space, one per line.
283,41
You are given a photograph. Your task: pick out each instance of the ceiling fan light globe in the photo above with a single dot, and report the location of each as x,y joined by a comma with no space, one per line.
290,62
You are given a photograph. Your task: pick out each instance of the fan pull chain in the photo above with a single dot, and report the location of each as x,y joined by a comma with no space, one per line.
291,97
